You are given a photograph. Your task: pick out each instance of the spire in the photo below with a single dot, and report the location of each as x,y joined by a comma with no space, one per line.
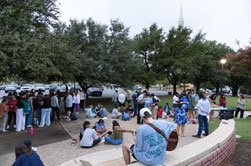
181,19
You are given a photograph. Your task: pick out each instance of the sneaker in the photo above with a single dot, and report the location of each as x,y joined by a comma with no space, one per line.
8,127
15,126
77,113
68,119
196,136
189,122
5,131
65,117
29,126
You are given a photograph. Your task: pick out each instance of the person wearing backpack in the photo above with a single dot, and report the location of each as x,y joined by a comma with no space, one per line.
45,112
20,116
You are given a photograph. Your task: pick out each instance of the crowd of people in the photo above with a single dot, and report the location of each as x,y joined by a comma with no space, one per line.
149,147
24,109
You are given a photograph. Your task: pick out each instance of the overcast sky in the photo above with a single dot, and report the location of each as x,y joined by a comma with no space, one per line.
222,20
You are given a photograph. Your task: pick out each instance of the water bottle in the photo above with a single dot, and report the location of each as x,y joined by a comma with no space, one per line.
31,131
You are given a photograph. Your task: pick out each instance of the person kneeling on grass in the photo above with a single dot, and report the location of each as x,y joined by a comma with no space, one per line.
115,113
101,127
116,138
90,137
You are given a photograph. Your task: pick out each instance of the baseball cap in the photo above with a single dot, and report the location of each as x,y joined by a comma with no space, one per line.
143,110
27,143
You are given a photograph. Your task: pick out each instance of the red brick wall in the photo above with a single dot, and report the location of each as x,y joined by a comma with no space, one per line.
220,157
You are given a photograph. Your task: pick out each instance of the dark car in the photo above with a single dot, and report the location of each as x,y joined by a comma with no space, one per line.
94,92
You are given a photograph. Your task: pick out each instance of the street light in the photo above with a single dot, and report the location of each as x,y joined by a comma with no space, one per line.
222,61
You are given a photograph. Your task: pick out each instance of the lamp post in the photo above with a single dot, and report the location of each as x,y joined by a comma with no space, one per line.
222,61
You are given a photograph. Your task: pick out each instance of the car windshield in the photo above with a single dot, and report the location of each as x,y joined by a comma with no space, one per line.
94,89
10,86
40,85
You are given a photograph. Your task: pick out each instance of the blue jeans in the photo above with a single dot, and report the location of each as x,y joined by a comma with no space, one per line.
113,141
29,118
135,109
125,118
39,114
202,121
45,117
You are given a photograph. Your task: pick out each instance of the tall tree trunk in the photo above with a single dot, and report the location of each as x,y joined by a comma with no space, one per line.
197,84
174,88
147,85
235,90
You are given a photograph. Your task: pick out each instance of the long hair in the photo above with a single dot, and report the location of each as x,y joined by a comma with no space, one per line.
86,123
20,149
115,123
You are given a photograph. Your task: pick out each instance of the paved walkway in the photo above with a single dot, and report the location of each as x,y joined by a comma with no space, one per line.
57,152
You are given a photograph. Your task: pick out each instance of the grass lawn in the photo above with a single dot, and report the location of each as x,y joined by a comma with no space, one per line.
242,127
232,102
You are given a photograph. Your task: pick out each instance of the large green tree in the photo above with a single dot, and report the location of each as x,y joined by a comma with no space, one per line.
173,61
147,44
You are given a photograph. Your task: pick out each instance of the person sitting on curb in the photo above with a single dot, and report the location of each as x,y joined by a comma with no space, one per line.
150,145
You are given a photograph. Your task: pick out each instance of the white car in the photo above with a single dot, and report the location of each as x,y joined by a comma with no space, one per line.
39,87
10,89
26,87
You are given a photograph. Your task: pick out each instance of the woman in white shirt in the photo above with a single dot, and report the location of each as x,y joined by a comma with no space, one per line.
89,138
76,101
241,104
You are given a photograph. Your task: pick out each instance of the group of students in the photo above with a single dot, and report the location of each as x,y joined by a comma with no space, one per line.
25,109
90,137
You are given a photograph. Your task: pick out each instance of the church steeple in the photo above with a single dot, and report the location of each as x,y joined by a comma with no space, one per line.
181,19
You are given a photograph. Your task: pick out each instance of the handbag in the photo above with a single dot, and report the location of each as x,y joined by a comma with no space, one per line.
173,139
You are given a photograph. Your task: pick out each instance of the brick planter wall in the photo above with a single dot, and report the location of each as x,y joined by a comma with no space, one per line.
220,157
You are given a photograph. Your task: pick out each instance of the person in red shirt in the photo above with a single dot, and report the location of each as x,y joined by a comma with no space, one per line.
222,100
12,104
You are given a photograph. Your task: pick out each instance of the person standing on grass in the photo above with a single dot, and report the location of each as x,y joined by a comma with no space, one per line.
76,99
121,99
204,109
241,105
135,103
191,107
4,115
12,104
31,110
128,96
175,99
54,107
115,98
140,105
155,101
222,101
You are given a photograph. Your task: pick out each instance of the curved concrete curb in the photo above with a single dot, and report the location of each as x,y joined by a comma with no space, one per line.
219,147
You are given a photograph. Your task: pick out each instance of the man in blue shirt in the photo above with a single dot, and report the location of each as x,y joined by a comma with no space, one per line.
135,103
150,146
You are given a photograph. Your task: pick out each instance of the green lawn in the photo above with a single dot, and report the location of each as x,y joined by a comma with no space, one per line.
242,127
232,102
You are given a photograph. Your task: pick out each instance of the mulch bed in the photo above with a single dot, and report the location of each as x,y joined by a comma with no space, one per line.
242,155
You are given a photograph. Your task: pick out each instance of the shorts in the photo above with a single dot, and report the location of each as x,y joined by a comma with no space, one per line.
191,109
122,104
5,115
131,148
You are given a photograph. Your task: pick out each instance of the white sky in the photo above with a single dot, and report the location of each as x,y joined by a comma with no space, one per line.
222,20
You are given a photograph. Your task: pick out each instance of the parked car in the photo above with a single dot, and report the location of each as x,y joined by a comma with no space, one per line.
54,87
94,91
2,88
10,89
77,87
47,87
39,87
225,90
26,87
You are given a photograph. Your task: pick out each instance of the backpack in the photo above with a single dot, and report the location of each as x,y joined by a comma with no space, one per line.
226,115
26,108
73,117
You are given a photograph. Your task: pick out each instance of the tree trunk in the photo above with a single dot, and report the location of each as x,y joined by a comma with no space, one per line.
174,88
147,85
197,84
235,90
